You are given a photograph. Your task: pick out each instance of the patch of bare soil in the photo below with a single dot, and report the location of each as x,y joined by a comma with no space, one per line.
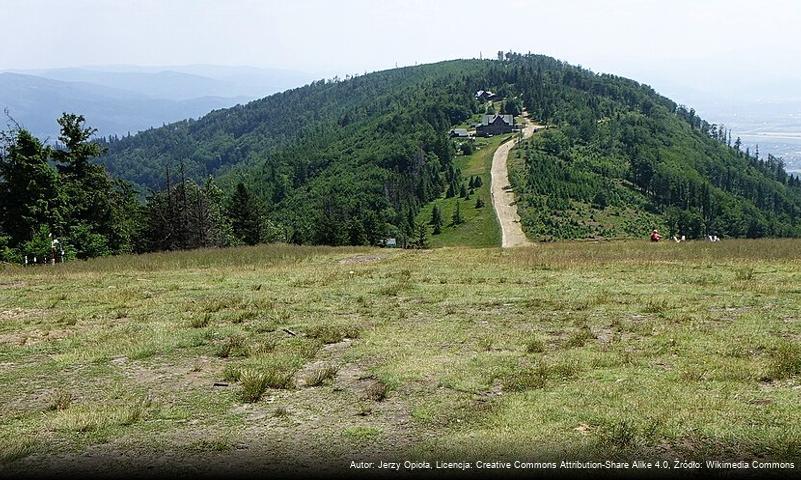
33,337
19,313
310,422
360,259
199,373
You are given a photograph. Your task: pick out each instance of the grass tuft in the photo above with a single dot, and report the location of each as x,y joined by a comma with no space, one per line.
376,391
232,346
200,321
320,376
785,361
528,378
534,344
328,333
579,337
254,384
62,400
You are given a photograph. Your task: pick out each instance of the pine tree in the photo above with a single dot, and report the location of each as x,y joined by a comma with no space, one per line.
479,202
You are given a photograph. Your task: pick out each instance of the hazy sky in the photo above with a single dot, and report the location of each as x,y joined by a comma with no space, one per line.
700,41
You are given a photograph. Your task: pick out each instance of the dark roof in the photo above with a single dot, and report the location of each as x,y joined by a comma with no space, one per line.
489,119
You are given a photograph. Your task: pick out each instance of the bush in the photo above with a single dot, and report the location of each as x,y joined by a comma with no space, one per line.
88,244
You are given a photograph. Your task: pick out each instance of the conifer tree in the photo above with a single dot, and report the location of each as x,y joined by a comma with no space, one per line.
421,240
30,195
436,219
457,218
245,213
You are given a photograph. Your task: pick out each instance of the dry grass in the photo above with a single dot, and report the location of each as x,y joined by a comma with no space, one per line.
653,350
320,376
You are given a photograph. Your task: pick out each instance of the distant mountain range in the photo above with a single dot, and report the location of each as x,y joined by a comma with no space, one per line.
127,99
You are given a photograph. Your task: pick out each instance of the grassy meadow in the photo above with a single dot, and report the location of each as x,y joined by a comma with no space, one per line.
480,227
276,355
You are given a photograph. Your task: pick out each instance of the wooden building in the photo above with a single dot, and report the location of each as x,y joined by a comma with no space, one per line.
495,125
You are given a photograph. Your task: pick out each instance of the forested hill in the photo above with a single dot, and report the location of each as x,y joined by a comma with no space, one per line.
353,160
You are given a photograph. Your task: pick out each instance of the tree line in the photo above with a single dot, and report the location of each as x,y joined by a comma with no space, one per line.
57,204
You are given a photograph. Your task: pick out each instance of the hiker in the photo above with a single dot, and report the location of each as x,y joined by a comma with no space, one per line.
655,236
54,244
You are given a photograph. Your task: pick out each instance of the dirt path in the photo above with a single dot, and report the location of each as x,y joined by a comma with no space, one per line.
502,195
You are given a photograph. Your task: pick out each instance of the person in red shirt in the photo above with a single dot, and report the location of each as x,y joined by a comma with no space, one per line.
655,236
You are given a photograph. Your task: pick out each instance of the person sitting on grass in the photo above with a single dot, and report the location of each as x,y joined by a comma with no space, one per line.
655,236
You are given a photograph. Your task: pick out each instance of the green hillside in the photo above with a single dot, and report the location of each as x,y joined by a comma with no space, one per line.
353,161
358,160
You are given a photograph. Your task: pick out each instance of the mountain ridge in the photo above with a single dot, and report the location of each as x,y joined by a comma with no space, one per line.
337,158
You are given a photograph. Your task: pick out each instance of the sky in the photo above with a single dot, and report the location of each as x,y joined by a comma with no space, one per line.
714,45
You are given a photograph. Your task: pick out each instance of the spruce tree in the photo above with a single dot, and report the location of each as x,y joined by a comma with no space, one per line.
422,236
436,220
30,194
245,213
451,190
457,218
